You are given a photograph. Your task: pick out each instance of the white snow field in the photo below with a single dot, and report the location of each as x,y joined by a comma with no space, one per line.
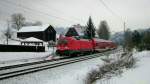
138,75
74,73
11,58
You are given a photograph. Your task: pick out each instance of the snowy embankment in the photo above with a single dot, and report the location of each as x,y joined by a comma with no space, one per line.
74,73
10,58
137,75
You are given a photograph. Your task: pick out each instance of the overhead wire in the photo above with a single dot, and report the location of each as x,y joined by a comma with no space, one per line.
43,13
50,8
110,10
6,8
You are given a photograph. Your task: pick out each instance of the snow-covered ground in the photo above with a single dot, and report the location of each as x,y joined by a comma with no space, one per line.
11,58
68,74
138,75
74,73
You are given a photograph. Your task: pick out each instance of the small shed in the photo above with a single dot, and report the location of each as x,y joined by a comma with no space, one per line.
43,32
32,41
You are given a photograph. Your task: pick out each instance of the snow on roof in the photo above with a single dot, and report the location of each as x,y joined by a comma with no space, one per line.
33,28
79,29
102,40
32,39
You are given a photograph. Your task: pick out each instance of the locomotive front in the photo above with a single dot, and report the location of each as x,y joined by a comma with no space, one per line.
73,46
62,46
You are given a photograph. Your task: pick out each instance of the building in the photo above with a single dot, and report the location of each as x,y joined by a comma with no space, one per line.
75,30
44,32
32,41
72,32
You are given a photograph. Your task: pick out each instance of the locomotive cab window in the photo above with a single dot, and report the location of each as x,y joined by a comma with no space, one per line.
62,41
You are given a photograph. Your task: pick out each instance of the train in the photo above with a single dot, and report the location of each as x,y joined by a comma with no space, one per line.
75,45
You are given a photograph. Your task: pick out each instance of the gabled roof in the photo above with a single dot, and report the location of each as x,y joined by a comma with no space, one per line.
80,29
72,32
34,28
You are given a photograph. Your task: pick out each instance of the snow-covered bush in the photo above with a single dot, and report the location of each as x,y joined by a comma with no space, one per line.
111,68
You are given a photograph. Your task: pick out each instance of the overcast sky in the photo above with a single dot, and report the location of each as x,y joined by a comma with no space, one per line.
136,13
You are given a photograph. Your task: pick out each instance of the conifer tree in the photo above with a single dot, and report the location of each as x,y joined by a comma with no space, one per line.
90,29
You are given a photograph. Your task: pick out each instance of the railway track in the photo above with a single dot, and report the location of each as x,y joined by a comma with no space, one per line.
21,69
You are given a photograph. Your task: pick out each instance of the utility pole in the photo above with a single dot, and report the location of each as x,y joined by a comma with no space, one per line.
7,31
124,29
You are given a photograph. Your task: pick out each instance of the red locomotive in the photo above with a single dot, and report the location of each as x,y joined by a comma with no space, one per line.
76,45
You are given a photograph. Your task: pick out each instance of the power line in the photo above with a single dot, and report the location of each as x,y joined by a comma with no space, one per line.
10,13
56,10
110,10
124,24
13,11
44,13
115,14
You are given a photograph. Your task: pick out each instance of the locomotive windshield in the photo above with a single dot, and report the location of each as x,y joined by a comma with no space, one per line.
62,41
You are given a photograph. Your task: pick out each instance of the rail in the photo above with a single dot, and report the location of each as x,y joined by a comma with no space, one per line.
21,69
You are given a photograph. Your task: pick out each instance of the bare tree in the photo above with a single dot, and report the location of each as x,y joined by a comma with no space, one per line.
8,32
17,20
103,31
146,39
128,43
1,36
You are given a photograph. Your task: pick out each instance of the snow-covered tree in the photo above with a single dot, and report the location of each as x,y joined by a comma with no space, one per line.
17,20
